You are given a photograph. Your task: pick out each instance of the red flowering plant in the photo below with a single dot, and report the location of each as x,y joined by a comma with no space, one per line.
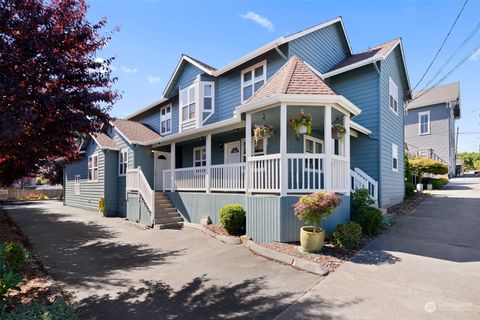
316,207
302,123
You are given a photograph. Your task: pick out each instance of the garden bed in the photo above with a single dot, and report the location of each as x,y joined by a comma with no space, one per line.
217,229
408,204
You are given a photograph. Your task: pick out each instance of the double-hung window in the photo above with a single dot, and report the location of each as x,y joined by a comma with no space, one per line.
77,184
394,157
315,146
122,162
253,79
208,90
393,96
93,167
188,102
199,157
166,119
257,149
424,122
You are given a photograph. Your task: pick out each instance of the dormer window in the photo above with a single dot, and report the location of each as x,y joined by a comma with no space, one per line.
166,119
188,102
208,90
253,79
197,104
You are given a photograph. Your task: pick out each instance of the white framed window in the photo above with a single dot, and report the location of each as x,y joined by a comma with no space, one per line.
424,122
166,119
199,156
188,103
394,157
122,162
208,95
258,149
393,96
253,79
313,145
93,167
77,184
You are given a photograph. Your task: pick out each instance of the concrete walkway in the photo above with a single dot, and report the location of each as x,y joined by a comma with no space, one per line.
426,267
117,271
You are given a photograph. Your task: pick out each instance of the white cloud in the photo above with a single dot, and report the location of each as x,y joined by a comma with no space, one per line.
128,70
262,21
153,80
476,55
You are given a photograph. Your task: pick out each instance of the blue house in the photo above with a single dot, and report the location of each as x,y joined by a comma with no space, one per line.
186,155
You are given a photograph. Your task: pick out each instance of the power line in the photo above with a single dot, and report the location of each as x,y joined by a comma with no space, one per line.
443,43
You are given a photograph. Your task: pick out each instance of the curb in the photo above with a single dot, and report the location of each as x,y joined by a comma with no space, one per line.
225,239
295,262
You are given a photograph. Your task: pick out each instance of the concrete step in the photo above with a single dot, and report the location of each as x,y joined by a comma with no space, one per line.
176,225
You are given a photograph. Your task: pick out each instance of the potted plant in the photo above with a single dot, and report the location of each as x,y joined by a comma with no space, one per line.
338,131
263,131
313,209
302,124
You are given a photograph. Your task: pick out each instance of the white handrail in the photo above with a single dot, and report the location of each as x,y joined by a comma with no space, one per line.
137,181
372,185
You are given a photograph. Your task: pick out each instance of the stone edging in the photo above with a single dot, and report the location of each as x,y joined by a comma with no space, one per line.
225,239
295,262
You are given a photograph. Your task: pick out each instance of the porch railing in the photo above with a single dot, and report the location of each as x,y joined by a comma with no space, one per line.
306,172
264,173
136,181
227,177
361,180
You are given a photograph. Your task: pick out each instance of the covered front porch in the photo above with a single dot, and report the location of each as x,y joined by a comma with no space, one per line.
229,160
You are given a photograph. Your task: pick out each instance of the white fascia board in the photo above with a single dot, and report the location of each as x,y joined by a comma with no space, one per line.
351,67
359,128
121,133
301,99
106,148
224,125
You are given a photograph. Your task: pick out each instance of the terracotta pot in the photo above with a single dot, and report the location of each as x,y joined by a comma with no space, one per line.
312,241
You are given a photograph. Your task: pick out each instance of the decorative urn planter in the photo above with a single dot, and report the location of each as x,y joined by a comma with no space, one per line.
312,239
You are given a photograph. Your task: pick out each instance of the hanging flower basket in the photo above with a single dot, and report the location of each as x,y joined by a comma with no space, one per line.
263,131
302,123
338,131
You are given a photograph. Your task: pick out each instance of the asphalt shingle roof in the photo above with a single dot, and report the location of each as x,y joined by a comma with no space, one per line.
444,93
104,141
134,131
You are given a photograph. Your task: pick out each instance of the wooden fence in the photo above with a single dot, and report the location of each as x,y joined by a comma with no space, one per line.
26,194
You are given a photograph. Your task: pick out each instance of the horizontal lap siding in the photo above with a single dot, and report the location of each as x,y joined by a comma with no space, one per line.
150,118
121,180
90,191
322,49
111,182
391,187
144,158
361,86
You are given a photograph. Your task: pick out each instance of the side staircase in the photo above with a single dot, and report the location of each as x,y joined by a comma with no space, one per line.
166,215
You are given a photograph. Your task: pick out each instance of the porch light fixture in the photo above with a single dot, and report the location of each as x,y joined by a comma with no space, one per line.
220,146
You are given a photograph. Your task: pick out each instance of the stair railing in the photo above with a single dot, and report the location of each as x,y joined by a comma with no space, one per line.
136,181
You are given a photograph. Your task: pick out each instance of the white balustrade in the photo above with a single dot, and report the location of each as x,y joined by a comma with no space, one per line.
189,178
340,173
264,173
371,184
227,177
136,181
306,172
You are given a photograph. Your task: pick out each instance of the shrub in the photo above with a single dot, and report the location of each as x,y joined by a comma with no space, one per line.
59,310
361,199
347,235
316,207
370,219
409,189
420,166
387,221
8,280
232,218
13,255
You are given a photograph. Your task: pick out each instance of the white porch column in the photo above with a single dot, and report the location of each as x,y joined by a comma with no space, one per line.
208,158
172,166
283,150
248,150
346,124
328,147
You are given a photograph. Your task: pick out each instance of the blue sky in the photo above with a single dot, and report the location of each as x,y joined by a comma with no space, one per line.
153,34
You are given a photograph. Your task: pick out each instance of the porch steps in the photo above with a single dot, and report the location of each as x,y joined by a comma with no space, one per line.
166,215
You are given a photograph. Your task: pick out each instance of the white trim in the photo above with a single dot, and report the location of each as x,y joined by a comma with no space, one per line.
357,127
253,153
394,93
168,116
125,137
124,150
202,99
251,69
148,107
203,150
314,140
95,155
394,156
106,148
420,114
76,186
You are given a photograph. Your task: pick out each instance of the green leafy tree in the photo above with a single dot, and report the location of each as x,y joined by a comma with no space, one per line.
420,166
472,159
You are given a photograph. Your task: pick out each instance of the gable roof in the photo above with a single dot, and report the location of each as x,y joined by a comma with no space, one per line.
104,141
134,132
445,93
294,77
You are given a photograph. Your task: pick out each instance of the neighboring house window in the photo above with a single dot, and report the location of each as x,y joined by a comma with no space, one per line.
122,162
188,102
394,157
253,79
93,167
166,119
424,122
77,184
312,145
208,89
199,157
258,149
393,96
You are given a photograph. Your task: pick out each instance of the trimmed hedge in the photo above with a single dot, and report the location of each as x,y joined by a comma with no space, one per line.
347,235
370,219
233,219
409,189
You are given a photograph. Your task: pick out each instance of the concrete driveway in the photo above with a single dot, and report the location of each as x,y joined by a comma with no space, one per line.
426,267
116,271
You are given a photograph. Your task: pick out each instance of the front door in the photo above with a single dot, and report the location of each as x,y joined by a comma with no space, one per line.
232,152
162,162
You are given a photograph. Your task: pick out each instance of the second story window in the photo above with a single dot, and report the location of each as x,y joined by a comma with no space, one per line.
393,96
166,119
93,167
394,157
424,122
208,96
188,102
122,162
253,79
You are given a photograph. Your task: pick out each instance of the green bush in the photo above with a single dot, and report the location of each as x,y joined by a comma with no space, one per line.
232,218
347,235
361,199
59,310
13,255
8,280
420,166
409,189
370,219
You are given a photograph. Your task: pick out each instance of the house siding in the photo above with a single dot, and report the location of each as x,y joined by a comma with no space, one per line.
143,157
111,183
137,210
90,191
391,183
121,180
322,49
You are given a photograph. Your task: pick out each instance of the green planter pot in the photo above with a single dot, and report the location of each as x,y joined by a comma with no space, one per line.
312,241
